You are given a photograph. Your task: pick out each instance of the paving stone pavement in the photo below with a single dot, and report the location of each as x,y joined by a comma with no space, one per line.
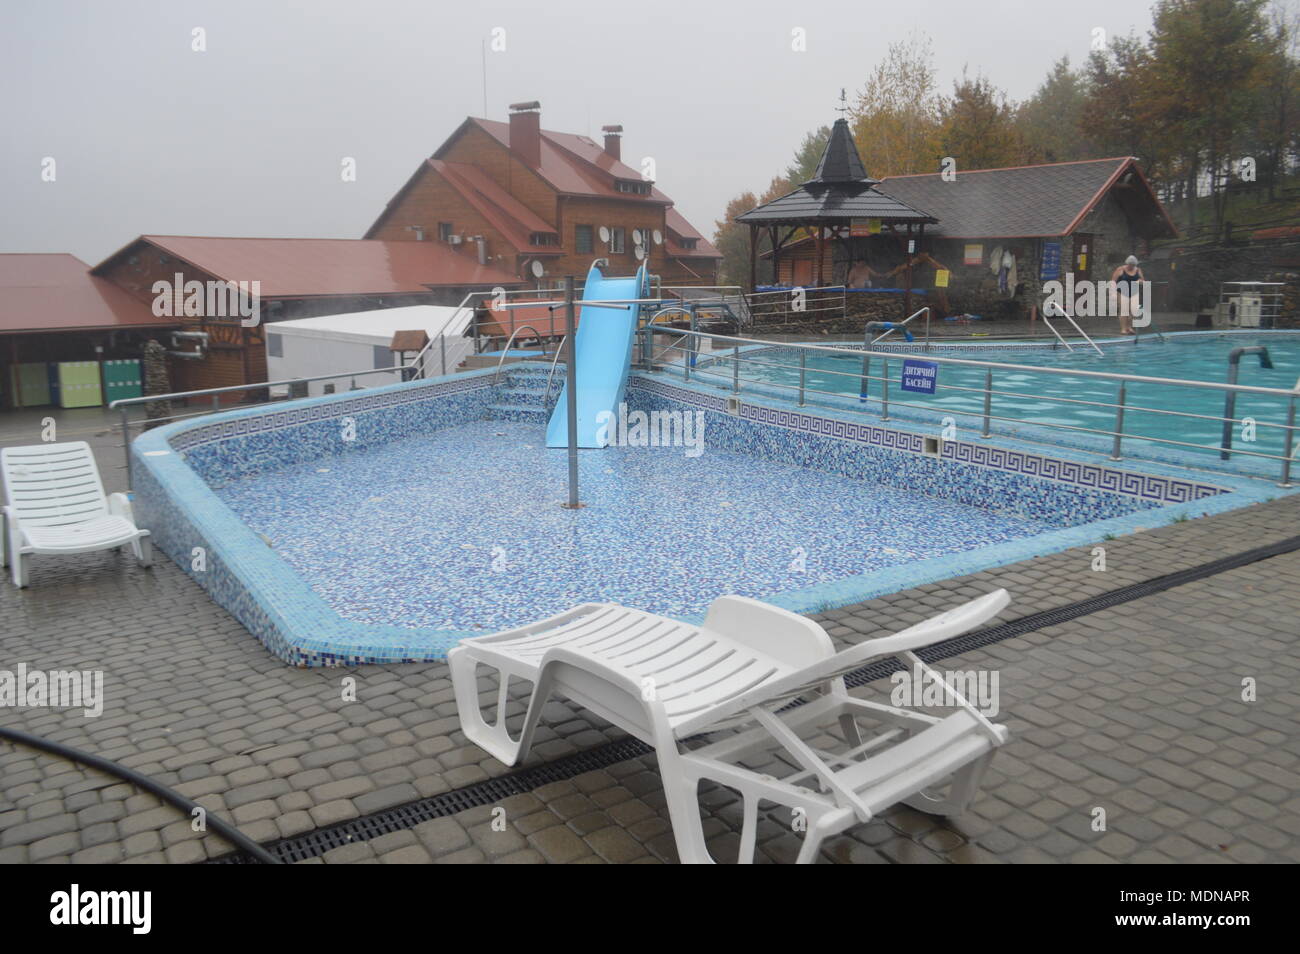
1136,710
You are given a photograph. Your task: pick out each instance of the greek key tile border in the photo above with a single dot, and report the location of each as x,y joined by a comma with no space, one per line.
1167,490
297,416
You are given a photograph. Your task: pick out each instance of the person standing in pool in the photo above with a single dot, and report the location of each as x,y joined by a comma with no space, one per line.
1128,281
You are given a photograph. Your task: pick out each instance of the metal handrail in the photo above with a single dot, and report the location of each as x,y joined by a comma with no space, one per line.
734,343
505,352
1070,318
890,331
559,350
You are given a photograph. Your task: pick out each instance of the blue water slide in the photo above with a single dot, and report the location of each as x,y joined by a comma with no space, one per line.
603,348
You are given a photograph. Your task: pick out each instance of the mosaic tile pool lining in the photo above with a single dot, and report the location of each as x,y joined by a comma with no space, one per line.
184,471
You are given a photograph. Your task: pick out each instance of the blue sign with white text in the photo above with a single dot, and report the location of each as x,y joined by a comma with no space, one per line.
920,376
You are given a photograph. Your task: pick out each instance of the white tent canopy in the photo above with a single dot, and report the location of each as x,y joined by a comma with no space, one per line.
358,341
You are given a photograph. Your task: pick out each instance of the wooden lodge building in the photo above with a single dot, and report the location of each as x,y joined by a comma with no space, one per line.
519,196
997,233
498,204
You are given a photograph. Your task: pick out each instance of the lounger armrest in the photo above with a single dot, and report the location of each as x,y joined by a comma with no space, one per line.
119,505
944,626
10,518
793,639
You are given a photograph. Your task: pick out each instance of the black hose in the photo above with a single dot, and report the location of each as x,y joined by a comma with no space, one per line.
226,831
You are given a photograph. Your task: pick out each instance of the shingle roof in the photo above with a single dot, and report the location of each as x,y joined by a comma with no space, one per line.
839,191
1022,201
840,161
56,292
305,267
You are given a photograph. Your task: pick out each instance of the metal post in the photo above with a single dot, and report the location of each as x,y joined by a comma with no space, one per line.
735,368
988,399
884,390
866,379
442,346
216,403
1289,436
1119,420
571,359
690,349
126,442
803,373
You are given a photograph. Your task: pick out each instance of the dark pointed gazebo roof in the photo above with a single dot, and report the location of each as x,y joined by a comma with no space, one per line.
838,192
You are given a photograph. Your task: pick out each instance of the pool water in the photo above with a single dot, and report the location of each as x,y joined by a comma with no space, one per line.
1200,359
463,529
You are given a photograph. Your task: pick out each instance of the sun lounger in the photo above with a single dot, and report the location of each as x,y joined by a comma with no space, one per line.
761,683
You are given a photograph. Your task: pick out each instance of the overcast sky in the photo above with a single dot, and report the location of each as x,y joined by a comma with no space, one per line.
247,138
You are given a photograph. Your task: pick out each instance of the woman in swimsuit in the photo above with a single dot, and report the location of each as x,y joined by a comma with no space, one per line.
1128,278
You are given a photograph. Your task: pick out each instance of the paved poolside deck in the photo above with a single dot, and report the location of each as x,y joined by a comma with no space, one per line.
1136,709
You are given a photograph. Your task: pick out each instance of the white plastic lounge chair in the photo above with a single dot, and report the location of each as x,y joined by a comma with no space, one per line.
55,503
666,682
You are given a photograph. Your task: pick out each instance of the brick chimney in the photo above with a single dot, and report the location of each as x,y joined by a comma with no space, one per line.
613,141
526,132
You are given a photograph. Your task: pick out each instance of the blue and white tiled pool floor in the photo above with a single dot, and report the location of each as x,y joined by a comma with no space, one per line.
463,529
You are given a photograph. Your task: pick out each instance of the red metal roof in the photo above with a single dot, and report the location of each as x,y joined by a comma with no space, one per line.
56,292
540,318
307,267
574,165
679,228
507,214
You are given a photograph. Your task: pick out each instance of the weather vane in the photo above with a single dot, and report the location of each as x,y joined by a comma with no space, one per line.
843,107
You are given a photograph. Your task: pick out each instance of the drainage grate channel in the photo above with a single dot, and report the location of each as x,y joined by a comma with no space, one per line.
315,843
489,792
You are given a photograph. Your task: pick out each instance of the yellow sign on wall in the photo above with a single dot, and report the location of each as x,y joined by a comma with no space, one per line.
941,278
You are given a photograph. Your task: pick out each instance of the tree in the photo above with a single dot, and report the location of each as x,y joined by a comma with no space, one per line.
731,238
1050,121
1202,84
896,118
808,155
978,126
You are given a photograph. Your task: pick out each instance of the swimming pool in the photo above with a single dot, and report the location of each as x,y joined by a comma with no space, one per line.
385,525
1036,398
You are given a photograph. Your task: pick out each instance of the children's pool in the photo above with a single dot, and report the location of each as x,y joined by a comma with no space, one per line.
1051,399
463,528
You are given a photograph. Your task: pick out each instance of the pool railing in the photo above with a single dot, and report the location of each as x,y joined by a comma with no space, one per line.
734,352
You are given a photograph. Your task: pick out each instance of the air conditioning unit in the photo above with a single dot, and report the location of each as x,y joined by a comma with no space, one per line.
1249,309
1239,311
455,239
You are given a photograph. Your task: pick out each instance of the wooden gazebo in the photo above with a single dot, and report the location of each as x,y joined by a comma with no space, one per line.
839,196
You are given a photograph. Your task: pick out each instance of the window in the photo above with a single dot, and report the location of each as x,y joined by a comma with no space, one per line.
544,238
632,187
617,240
444,231
275,345
583,243
688,243
383,357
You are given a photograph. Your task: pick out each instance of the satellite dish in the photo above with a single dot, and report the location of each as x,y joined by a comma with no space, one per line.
639,252
604,234
538,270
659,239
638,237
